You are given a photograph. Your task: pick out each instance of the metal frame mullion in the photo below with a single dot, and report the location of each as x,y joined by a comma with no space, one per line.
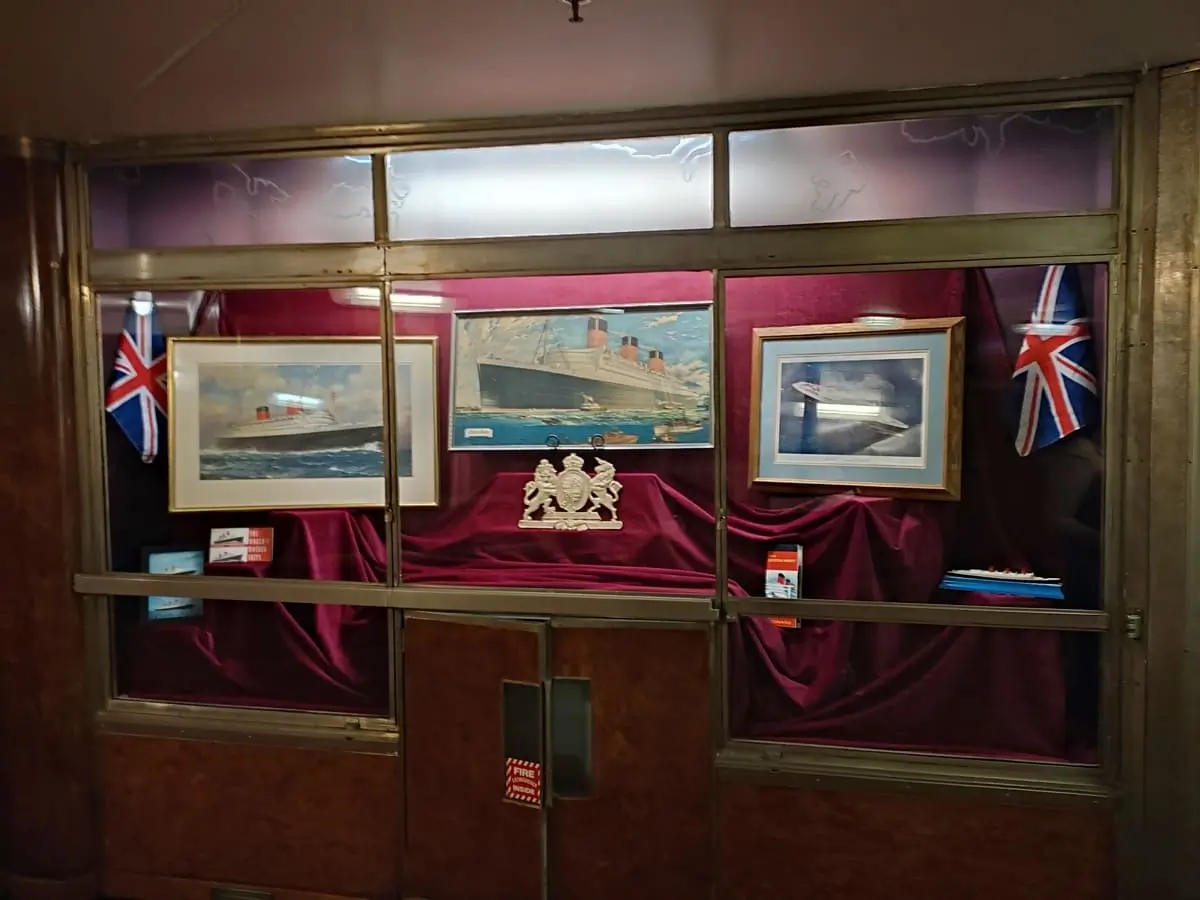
1008,239
253,266
936,614
1003,239
821,766
431,599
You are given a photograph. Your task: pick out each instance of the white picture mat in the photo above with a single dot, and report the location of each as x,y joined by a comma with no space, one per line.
190,493
420,488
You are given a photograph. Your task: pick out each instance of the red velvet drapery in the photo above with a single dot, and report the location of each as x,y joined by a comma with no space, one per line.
955,690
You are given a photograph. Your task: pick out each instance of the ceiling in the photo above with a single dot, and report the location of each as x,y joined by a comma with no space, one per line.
79,70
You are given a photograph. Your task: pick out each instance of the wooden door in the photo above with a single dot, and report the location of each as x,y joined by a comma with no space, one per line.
636,819
464,839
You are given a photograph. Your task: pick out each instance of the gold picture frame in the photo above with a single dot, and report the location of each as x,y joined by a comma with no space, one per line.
239,486
831,429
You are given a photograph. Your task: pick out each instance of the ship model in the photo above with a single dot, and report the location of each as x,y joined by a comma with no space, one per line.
298,429
592,378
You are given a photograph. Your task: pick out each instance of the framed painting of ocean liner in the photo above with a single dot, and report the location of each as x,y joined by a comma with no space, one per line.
638,377
295,424
876,408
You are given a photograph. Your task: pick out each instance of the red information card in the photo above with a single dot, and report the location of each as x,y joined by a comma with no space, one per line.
240,545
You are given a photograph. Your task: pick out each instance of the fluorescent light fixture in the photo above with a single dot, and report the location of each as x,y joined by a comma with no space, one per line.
876,321
840,410
415,296
142,302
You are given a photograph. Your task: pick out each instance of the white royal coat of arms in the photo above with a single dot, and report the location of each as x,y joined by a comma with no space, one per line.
572,500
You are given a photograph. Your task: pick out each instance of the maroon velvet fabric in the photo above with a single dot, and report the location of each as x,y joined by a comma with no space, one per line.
283,655
666,544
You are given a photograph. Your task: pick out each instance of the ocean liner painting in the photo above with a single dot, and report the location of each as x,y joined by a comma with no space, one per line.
300,423
297,430
633,377
291,421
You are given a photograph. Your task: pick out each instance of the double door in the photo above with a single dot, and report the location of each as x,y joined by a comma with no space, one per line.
556,758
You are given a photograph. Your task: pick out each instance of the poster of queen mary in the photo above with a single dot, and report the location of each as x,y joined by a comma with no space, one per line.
632,377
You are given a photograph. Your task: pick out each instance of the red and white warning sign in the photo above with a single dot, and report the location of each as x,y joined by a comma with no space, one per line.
523,781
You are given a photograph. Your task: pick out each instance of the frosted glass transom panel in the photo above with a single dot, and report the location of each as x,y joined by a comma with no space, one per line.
232,202
640,184
1058,160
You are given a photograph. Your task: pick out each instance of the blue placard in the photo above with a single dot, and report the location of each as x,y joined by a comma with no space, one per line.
174,562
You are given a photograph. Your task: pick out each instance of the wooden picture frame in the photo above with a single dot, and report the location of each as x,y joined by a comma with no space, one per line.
872,408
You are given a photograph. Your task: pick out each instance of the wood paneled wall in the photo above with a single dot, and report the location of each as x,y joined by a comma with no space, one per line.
321,822
859,845
46,762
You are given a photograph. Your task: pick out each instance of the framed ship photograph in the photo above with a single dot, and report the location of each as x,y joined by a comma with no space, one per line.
873,408
638,377
294,424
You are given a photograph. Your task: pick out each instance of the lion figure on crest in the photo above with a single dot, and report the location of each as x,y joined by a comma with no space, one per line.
539,493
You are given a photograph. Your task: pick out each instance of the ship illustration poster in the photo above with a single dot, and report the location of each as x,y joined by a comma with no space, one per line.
634,377
301,423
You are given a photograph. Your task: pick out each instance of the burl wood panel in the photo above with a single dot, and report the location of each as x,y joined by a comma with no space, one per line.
646,831
788,842
310,820
46,753
464,842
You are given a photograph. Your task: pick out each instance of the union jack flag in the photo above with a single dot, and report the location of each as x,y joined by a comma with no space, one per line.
1055,374
137,394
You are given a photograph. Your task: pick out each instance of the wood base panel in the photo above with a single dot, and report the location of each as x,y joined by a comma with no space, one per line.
317,822
784,841
81,887
133,886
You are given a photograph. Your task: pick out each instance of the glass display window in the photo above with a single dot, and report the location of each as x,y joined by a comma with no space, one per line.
232,203
931,436
583,187
249,426
1036,161
284,656
575,433
1016,694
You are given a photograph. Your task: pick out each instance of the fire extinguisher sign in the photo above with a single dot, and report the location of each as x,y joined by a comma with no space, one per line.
523,781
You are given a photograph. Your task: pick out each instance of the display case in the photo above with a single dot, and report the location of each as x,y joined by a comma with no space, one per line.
841,385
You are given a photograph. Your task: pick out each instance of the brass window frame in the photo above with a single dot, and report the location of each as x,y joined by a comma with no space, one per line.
1107,237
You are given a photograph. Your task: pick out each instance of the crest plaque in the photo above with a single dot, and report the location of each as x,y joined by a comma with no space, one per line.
572,500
